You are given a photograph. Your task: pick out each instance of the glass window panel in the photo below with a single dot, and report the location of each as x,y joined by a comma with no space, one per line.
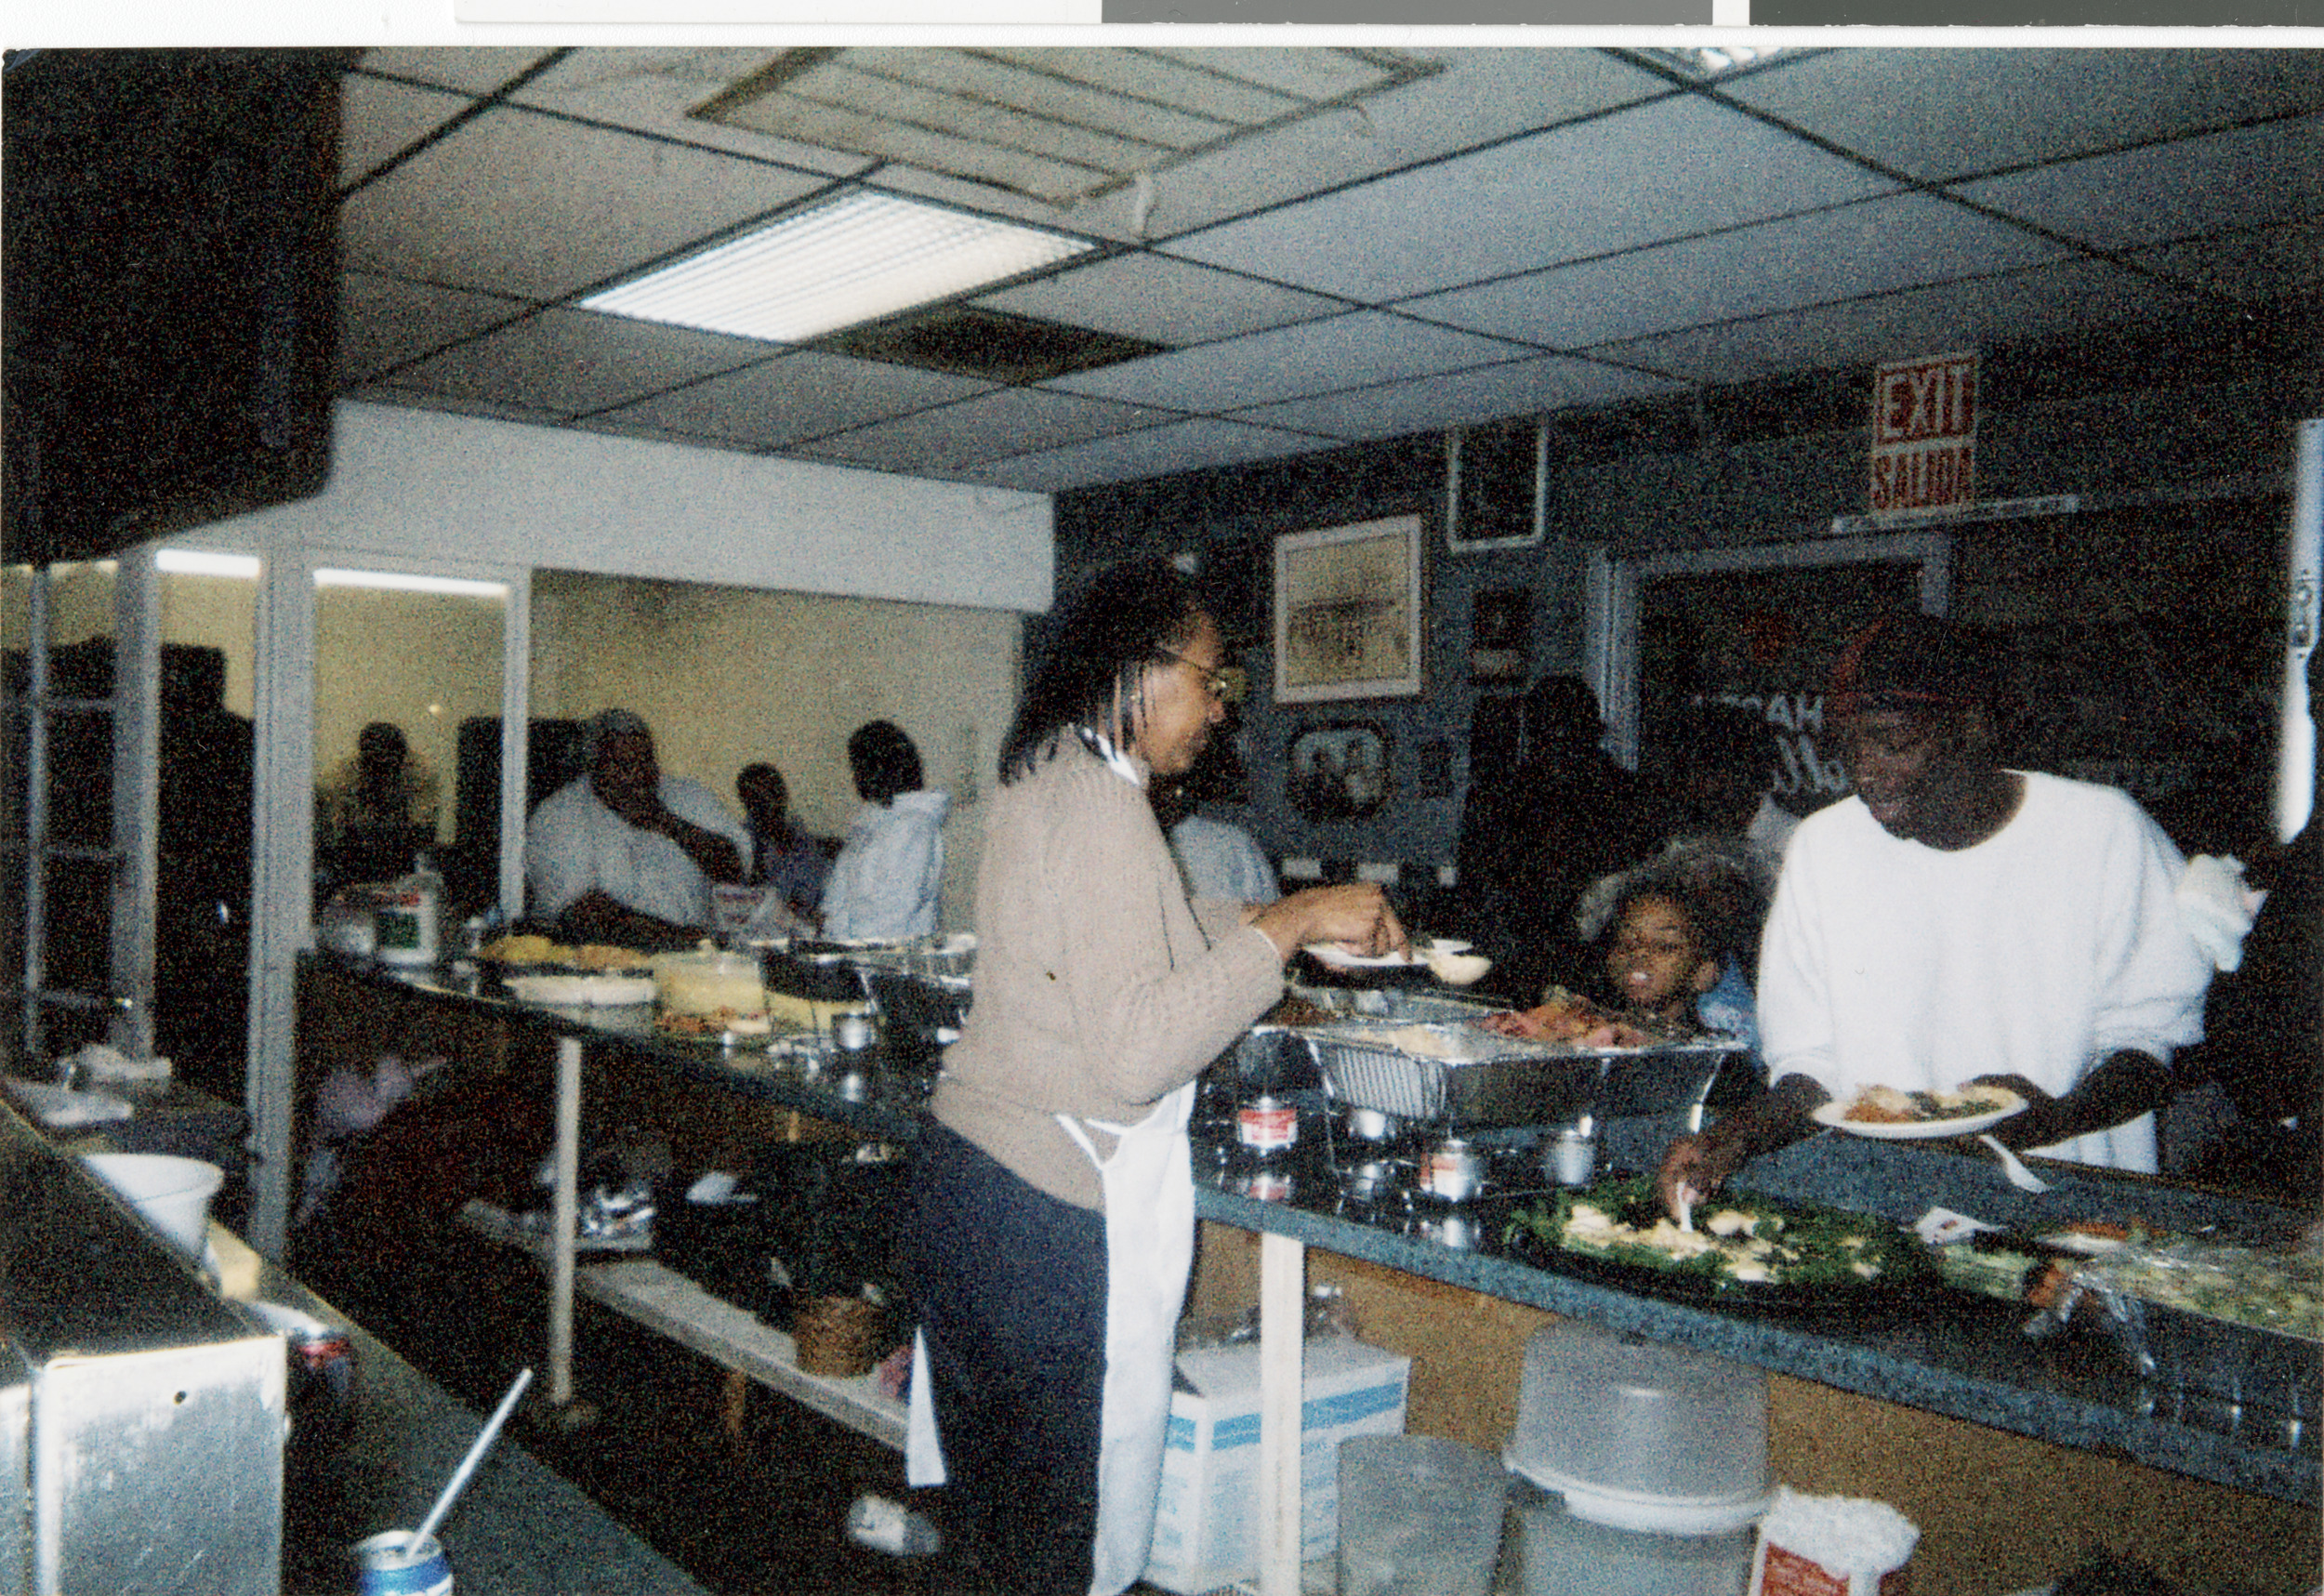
397,673
202,885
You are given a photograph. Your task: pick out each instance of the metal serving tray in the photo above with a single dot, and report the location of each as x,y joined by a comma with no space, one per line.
1455,1073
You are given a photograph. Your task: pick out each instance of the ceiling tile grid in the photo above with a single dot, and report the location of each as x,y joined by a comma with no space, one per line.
1869,248
576,362
1398,264
541,207
1009,422
798,395
1311,357
1688,166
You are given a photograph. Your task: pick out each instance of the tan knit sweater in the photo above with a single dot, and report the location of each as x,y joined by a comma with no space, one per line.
1099,987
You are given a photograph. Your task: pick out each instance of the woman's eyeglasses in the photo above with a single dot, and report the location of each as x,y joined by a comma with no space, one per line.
1228,684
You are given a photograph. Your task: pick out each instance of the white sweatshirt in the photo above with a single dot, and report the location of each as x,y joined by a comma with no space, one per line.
2038,951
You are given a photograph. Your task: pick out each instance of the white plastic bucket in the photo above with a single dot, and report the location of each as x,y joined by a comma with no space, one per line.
172,1194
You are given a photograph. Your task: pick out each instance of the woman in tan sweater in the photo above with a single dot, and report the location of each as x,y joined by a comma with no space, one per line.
1053,1205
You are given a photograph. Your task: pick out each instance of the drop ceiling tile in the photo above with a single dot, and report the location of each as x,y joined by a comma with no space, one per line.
1519,387
1162,299
384,322
1188,446
2251,177
380,120
474,69
1537,201
2048,299
541,207
1288,363
1480,96
577,361
804,394
959,436
2271,263
1904,107
1894,242
654,89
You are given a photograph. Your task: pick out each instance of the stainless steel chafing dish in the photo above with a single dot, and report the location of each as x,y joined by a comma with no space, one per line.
1452,1072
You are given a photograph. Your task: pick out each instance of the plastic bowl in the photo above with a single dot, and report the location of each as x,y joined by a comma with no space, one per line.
173,1195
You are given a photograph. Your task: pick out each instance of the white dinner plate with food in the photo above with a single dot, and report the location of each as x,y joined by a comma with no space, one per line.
574,991
1339,956
1935,1114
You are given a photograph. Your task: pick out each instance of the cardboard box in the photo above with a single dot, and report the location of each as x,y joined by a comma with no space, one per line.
1205,1531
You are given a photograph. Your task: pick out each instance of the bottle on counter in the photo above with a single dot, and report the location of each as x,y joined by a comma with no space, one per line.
409,915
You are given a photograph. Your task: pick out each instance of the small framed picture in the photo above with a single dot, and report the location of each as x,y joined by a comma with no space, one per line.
1500,635
1336,771
1348,611
1497,485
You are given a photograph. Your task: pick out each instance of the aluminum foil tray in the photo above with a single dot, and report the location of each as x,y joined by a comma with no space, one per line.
1452,1074
1456,1074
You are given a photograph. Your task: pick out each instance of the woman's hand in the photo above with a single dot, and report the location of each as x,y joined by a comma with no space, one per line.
1355,915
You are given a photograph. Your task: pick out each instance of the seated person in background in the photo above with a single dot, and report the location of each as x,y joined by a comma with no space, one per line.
784,858
884,884
375,811
1955,922
1217,860
626,855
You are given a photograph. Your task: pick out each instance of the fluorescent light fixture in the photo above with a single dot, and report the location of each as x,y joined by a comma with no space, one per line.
204,562
847,260
403,582
1712,60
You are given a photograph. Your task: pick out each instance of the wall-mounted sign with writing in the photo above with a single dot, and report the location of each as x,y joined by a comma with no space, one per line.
1925,433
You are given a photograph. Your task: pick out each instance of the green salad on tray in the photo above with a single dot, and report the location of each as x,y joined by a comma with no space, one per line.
1739,1240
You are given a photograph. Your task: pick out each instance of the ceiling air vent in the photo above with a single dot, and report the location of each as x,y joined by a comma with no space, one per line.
986,344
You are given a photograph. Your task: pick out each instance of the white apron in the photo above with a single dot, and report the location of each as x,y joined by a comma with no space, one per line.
1149,1252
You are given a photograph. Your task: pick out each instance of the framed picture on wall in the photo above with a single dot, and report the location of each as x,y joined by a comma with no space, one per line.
1496,484
1500,635
1348,611
1336,771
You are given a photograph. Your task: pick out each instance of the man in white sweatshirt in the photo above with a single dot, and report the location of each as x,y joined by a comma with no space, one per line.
1956,921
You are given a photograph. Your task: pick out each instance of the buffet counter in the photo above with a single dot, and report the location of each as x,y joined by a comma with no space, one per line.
1963,1359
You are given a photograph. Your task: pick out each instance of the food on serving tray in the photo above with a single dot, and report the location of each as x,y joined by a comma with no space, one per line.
601,955
530,949
1297,1011
1567,1017
1740,1240
713,1022
524,949
2264,1290
1886,1106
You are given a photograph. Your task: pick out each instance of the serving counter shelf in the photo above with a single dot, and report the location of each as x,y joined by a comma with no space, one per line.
1951,1354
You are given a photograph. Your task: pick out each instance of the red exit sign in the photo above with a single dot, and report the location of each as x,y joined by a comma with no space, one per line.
1925,432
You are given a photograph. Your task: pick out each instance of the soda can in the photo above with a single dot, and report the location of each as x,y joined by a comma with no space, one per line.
391,1565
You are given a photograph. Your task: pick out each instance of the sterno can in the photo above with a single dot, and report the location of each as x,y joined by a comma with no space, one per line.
1267,1124
392,1565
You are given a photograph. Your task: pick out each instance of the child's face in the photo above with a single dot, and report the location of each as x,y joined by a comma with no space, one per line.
1656,963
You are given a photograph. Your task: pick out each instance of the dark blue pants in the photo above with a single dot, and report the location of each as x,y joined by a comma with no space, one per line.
1009,1285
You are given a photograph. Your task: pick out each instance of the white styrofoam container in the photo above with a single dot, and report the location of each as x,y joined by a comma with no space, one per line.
1206,1530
